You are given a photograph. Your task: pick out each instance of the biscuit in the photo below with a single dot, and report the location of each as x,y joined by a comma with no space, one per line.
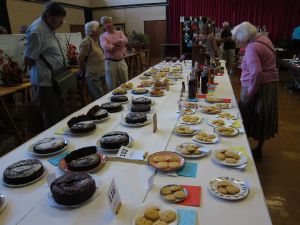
159,222
162,165
158,158
222,190
166,191
151,214
142,221
179,194
167,216
212,136
170,197
232,190
231,154
171,158
175,188
185,151
231,160
197,152
220,156
174,165
223,183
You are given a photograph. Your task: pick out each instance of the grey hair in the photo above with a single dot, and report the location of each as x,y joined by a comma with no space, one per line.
105,19
90,27
244,32
225,24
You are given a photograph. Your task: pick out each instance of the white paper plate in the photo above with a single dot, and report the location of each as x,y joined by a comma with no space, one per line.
31,151
99,189
142,208
28,183
3,202
235,132
244,190
114,149
243,159
191,123
215,140
227,123
123,121
204,151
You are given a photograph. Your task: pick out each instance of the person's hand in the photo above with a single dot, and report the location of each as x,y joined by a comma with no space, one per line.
117,43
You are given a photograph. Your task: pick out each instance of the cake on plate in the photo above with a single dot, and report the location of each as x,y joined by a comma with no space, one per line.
135,117
141,100
112,107
140,108
119,98
114,140
73,188
83,127
23,172
49,145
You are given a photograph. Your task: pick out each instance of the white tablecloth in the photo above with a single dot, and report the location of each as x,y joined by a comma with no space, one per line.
29,205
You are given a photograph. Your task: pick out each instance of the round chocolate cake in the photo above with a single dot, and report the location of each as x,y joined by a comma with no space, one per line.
140,108
83,127
96,113
112,107
73,188
119,98
49,145
135,117
23,172
141,100
114,140
83,159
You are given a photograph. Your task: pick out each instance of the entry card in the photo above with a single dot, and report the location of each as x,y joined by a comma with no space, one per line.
126,153
154,122
187,216
114,198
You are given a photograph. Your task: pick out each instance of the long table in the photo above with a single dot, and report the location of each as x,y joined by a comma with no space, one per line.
29,204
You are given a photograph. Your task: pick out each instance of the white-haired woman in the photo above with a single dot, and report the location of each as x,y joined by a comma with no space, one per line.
91,60
258,100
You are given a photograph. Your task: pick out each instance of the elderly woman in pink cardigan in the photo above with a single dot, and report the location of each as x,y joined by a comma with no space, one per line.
258,100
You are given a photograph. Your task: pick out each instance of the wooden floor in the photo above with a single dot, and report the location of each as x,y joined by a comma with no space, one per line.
278,170
279,167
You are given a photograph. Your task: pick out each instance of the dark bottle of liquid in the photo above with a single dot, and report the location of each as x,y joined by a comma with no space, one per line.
204,81
192,87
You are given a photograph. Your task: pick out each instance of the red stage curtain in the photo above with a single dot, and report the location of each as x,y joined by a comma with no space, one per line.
279,16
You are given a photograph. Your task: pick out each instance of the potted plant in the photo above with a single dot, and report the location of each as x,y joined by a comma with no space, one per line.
138,40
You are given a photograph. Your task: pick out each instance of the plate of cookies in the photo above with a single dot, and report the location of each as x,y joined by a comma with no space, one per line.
226,131
211,109
119,91
192,150
127,86
187,111
228,188
184,130
206,137
166,161
226,115
190,119
213,100
173,193
223,105
219,123
229,157
152,214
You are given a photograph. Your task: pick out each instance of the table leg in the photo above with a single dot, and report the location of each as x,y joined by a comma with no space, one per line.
11,122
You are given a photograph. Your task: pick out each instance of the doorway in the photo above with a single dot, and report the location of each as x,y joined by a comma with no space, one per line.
157,31
75,28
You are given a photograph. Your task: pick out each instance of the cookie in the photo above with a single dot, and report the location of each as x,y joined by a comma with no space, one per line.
171,158
167,216
142,221
224,183
231,154
159,222
151,214
222,190
231,160
166,191
174,165
179,194
175,188
170,197
158,158
197,152
162,165
185,151
232,190
220,156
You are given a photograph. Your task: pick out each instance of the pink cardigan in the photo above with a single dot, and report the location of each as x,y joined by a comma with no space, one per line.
259,64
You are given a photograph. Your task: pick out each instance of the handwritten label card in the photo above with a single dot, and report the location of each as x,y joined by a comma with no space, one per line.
154,123
114,198
126,153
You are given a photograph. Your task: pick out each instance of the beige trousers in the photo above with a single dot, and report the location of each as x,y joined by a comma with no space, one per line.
116,73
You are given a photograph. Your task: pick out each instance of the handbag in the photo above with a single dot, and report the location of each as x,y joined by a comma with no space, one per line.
63,79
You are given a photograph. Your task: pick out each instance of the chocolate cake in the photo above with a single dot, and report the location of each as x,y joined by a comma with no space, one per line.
78,119
23,172
112,107
96,113
83,159
119,98
114,140
141,100
73,188
49,145
140,108
83,127
135,117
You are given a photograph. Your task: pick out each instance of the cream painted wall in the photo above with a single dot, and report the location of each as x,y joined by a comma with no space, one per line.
102,3
86,3
133,17
24,13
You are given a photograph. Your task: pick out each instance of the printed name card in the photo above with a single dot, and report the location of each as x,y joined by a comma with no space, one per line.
154,123
114,198
126,153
